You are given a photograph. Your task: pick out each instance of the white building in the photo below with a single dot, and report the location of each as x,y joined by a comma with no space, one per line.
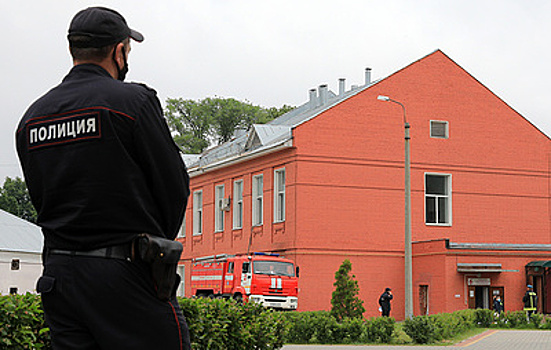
20,254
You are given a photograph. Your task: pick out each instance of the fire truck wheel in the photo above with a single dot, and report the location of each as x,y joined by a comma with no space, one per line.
238,298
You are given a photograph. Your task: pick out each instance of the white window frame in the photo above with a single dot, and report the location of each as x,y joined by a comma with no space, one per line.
258,200
219,193
446,129
447,197
198,213
279,195
237,204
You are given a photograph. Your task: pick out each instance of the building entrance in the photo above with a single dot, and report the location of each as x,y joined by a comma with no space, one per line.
482,297
538,274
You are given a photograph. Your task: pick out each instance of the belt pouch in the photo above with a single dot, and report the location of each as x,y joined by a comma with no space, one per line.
163,256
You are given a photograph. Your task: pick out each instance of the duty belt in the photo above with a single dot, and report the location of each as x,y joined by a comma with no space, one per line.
123,252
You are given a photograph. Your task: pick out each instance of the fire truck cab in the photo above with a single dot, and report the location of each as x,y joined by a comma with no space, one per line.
263,278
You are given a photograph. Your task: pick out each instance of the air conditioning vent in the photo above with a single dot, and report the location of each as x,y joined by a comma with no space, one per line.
226,204
439,129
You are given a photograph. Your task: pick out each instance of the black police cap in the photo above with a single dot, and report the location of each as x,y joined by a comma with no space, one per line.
99,27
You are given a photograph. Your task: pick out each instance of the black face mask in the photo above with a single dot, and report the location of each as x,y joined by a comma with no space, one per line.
124,70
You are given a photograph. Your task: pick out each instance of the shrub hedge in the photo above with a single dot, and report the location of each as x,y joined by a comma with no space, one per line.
380,329
22,323
224,324
428,329
220,324
421,329
214,324
321,327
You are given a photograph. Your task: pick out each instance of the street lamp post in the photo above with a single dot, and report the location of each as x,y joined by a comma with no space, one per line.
407,249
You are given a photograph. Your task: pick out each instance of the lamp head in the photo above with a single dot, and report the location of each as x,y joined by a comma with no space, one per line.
383,98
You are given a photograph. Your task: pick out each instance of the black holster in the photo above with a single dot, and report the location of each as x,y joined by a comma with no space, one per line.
163,255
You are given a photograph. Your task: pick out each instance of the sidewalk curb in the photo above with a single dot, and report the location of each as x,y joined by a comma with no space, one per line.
476,338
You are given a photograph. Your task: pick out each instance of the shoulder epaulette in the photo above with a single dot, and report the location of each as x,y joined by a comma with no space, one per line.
148,88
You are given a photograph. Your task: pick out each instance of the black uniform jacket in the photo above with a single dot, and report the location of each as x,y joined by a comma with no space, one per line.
384,300
100,164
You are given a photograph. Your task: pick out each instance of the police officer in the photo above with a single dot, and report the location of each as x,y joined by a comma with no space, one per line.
530,300
101,168
384,302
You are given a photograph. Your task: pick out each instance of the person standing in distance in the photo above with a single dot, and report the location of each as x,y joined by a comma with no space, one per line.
498,305
102,168
384,302
530,300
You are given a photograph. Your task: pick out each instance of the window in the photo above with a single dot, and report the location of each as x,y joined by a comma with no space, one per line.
238,204
279,195
438,199
182,287
15,264
182,231
219,208
197,212
424,299
258,200
439,129
230,267
274,268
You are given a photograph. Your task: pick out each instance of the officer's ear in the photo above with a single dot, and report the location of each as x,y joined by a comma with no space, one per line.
120,54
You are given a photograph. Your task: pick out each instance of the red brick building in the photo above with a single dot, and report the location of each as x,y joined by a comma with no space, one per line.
325,182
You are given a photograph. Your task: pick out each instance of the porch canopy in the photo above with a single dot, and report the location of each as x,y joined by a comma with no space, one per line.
479,267
539,263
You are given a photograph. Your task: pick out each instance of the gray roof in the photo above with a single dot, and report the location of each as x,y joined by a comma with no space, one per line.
189,159
261,137
19,235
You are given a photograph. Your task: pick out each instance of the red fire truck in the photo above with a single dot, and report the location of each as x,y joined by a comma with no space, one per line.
263,278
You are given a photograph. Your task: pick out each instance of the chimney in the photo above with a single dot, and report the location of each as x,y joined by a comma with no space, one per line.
313,102
323,92
341,86
367,76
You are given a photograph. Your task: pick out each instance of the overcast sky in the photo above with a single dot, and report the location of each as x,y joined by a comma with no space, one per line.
271,53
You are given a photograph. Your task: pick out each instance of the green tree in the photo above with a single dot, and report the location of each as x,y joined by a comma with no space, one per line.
197,124
345,302
15,199
189,123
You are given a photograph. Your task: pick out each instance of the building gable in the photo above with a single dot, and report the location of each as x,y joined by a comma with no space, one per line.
433,88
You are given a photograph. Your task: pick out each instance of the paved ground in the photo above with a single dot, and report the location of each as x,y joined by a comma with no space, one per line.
490,340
